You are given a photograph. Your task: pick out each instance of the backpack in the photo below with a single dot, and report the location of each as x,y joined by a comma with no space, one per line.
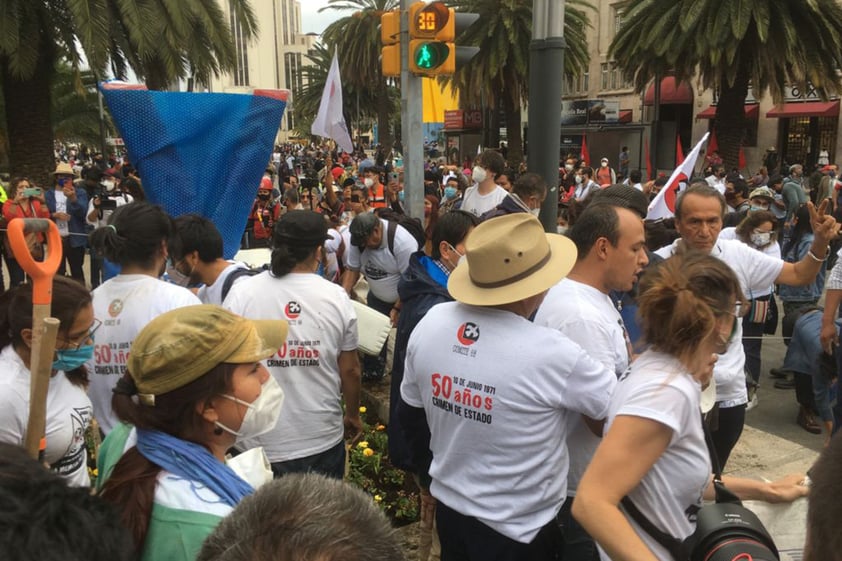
412,225
237,273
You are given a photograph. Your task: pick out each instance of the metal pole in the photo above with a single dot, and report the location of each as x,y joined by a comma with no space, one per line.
412,132
655,131
546,73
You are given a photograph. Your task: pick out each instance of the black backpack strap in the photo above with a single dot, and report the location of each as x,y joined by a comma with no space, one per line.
232,278
390,235
671,544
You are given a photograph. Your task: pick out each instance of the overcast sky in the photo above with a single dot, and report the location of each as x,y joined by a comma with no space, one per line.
314,22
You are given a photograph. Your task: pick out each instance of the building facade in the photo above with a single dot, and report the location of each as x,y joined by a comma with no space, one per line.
272,60
602,108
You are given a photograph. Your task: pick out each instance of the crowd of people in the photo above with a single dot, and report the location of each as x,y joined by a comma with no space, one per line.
538,380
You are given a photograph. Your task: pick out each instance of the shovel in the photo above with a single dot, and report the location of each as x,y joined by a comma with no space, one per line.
44,327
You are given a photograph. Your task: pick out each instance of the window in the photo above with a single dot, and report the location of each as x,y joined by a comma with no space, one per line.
241,73
619,19
611,77
575,86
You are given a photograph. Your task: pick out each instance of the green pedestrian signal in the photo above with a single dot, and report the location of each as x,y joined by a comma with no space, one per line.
429,55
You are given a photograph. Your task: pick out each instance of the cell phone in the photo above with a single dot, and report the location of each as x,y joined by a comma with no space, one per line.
393,176
32,192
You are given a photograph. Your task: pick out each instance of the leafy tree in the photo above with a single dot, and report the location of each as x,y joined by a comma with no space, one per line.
500,72
357,39
730,45
160,40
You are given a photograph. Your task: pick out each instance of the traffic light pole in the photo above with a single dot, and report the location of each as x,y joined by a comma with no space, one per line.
412,132
546,72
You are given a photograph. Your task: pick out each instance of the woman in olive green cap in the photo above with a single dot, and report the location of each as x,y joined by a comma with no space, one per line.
194,385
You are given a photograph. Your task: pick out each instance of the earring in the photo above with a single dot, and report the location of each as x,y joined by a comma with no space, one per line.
217,431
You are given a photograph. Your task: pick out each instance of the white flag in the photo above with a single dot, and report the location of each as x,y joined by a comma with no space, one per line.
663,205
330,122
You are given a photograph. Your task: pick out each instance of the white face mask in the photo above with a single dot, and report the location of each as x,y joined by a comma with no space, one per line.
569,167
479,174
535,211
262,414
761,239
368,182
578,179
604,164
109,185
461,255
561,229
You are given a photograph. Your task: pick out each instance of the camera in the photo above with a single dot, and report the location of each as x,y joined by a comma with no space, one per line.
106,201
726,531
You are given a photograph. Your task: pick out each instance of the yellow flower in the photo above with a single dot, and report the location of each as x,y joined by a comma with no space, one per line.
362,409
380,427
377,498
363,444
368,452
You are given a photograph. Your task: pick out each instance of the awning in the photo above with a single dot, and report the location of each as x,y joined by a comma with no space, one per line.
671,94
625,116
807,109
751,110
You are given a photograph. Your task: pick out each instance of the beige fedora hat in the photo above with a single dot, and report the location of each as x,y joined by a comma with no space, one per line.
510,258
64,168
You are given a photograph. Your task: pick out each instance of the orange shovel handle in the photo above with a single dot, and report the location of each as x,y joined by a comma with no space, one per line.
41,272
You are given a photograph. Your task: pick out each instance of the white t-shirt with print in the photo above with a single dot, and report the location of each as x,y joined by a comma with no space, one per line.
119,198
212,293
755,272
381,267
68,415
478,204
322,323
590,319
125,304
498,392
659,388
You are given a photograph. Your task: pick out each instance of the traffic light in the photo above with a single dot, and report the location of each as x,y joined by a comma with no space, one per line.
432,32
390,54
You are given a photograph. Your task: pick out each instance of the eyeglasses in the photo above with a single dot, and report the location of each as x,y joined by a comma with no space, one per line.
88,335
737,313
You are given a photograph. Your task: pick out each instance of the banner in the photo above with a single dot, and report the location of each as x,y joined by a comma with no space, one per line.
663,205
201,153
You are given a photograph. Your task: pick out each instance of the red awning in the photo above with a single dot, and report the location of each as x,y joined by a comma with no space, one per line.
709,113
807,109
670,93
625,116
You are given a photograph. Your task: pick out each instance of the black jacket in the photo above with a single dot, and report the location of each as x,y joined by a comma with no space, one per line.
418,293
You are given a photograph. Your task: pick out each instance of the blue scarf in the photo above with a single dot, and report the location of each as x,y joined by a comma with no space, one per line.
191,461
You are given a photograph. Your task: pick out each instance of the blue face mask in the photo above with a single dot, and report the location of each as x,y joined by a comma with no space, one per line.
449,192
71,359
401,196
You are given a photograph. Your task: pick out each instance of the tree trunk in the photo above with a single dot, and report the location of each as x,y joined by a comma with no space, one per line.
730,122
29,124
384,117
514,132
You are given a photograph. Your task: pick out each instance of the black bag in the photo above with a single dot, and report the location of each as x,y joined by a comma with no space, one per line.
412,225
770,327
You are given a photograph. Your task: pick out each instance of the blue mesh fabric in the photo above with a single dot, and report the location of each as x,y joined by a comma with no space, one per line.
201,153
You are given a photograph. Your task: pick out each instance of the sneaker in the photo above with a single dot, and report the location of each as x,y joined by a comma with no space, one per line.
778,373
752,403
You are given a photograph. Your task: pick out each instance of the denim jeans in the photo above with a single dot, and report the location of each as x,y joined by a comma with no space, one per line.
331,463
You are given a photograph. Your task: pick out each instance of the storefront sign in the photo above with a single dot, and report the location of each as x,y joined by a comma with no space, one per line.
463,119
585,111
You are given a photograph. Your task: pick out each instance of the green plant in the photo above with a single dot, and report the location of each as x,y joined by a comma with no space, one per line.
370,469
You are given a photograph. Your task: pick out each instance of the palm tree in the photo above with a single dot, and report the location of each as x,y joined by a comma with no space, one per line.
359,102
499,74
357,39
764,44
160,41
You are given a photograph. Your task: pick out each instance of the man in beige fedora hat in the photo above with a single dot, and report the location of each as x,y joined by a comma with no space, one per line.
491,394
68,208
